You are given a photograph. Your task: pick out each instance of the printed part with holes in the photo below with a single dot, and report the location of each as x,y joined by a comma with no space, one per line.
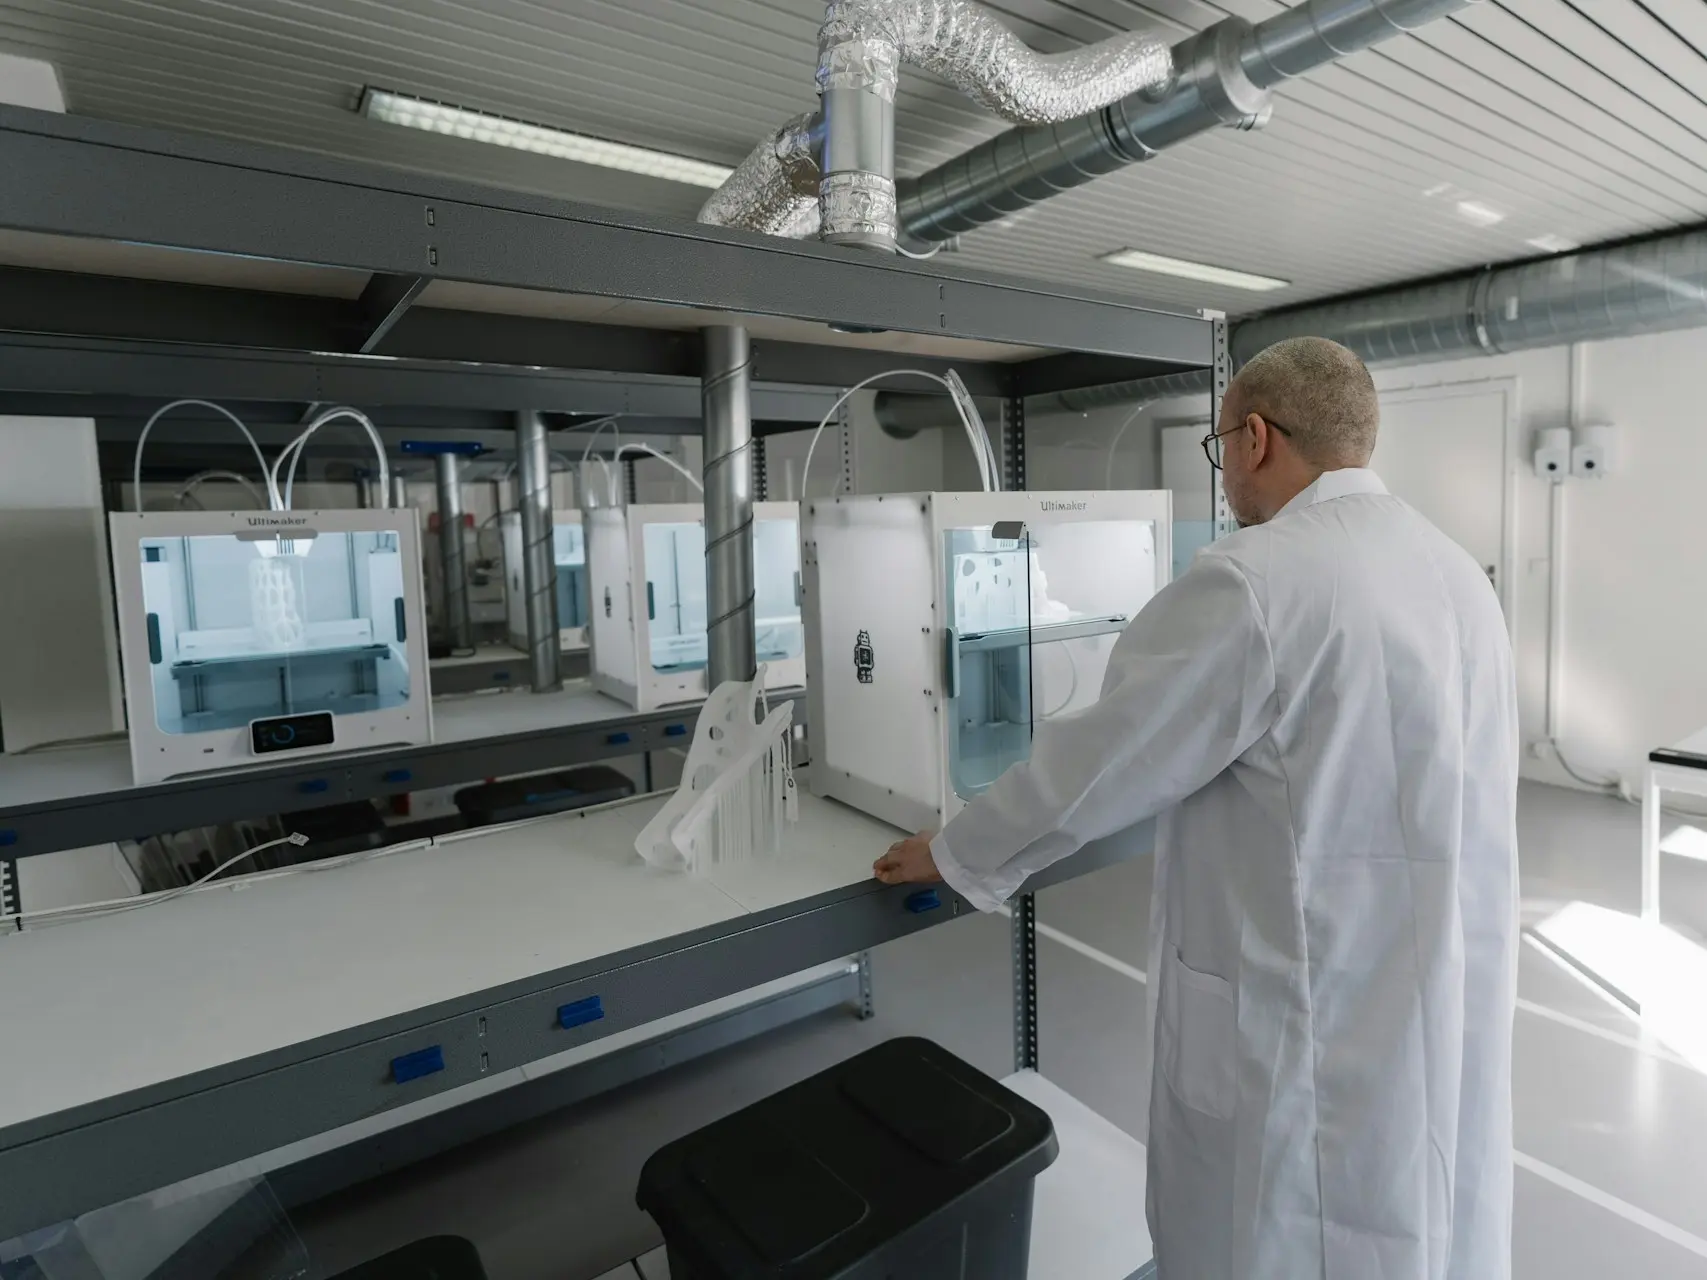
940,628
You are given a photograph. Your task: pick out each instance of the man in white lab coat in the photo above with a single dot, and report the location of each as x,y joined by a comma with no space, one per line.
1322,712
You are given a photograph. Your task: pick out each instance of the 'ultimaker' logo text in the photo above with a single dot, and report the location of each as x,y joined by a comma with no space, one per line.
1050,504
275,522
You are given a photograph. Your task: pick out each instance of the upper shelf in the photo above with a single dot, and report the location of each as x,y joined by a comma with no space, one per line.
421,268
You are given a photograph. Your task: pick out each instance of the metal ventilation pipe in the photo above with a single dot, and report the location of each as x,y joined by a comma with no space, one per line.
861,48
539,566
453,554
726,400
1224,75
1645,286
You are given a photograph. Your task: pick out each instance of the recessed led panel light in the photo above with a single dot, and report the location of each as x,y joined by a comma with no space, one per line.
1155,263
1482,215
481,126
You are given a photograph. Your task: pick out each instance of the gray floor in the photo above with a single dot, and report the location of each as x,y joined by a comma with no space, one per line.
1610,1128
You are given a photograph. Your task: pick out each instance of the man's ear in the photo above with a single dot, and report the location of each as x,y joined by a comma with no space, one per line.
1258,426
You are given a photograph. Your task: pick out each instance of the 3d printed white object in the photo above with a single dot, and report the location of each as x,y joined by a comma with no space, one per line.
737,792
275,601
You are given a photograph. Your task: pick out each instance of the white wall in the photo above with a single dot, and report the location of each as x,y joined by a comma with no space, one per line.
1635,594
1635,580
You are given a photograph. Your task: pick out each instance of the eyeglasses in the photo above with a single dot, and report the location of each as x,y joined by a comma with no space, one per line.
1212,441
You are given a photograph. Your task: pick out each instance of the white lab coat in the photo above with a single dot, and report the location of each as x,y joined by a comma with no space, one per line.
1322,711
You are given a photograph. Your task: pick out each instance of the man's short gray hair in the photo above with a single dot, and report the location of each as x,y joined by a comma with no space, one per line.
1320,392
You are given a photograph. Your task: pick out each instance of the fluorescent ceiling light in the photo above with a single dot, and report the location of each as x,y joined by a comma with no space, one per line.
1482,215
481,126
1138,260
1552,244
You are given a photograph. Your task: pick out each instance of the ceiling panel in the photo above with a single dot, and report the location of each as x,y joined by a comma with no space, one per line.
1574,120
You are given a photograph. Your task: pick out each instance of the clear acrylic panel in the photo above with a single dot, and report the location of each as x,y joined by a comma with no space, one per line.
675,594
780,632
243,628
215,1225
569,552
1036,610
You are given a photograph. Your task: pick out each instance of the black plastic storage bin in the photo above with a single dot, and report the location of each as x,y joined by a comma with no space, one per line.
542,793
903,1163
435,1258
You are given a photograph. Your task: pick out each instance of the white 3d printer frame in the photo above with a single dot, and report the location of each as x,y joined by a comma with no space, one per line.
879,613
156,754
617,580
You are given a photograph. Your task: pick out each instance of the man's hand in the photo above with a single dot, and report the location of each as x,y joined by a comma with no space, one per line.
908,861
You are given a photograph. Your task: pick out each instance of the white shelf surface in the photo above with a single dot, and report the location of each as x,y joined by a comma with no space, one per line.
65,773
124,1001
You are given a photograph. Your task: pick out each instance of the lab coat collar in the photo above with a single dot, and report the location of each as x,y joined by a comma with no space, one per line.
1335,484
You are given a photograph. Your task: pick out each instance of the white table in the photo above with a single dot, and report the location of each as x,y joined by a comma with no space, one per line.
294,993
1087,1220
1681,767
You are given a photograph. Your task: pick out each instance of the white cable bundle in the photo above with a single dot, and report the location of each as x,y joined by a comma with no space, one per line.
737,791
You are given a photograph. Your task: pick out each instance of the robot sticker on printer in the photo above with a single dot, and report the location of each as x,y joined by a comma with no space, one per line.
865,660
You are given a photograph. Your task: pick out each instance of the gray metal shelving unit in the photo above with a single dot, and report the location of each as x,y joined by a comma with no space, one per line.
437,304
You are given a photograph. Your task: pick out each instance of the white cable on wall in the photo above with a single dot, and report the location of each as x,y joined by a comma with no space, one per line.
640,447
293,450
976,436
114,905
163,410
202,477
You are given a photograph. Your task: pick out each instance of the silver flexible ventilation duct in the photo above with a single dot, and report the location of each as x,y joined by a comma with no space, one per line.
775,189
1224,75
861,48
1646,286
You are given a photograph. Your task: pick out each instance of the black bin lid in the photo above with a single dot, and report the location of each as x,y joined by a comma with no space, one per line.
815,1178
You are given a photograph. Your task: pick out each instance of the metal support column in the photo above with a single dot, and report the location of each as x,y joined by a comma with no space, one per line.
727,408
399,491
367,491
1024,921
761,472
539,568
459,626
866,1009
1222,374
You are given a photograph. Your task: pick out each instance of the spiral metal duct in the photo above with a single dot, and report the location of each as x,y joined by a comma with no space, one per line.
1645,286
1223,78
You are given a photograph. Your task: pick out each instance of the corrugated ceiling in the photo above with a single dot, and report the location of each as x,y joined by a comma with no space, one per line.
1575,120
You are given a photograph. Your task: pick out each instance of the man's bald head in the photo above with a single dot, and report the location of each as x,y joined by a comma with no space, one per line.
1320,392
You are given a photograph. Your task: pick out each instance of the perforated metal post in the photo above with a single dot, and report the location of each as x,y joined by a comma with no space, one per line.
1222,375
844,428
867,1008
11,901
1025,905
761,471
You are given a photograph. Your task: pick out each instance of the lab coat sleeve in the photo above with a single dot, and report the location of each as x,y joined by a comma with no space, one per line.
1189,688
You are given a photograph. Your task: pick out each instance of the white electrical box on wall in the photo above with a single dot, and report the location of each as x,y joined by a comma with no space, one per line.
1591,454
258,637
646,593
1553,453
942,627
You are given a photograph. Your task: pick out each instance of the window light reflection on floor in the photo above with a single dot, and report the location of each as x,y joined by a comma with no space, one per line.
1653,968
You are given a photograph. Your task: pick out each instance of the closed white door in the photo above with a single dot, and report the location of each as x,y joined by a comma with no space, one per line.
1443,450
